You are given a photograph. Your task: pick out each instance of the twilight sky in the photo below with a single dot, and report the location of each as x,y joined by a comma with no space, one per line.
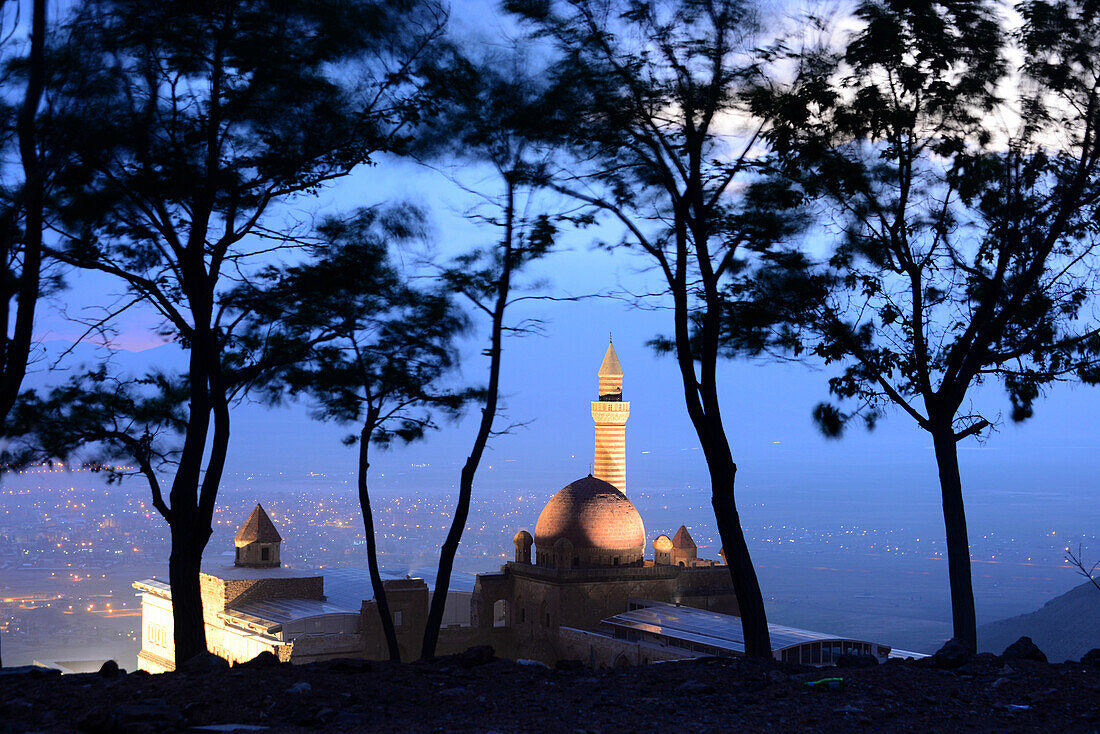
549,380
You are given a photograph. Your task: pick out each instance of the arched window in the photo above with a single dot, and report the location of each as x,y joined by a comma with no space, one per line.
500,613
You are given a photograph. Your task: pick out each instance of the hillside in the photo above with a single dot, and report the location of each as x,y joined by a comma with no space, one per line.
474,692
1065,628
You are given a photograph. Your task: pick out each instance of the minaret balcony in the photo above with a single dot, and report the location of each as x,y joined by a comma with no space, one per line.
610,412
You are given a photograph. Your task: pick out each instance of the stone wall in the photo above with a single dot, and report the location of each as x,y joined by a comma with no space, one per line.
218,593
604,651
523,608
314,648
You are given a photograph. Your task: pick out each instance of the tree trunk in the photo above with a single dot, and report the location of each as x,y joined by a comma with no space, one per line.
372,550
183,576
701,399
750,601
958,545
17,349
189,537
488,414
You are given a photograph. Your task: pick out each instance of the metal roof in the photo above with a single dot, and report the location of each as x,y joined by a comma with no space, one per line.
272,613
350,587
722,631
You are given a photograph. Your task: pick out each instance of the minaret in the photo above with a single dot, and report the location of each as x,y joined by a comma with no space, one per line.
610,414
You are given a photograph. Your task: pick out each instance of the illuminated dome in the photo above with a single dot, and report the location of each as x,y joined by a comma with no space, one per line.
601,527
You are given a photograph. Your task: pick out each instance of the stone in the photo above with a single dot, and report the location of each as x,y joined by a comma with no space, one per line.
532,663
1092,657
204,662
1024,649
856,660
953,654
265,659
695,688
474,656
349,665
568,665
300,687
97,720
28,671
109,669
155,711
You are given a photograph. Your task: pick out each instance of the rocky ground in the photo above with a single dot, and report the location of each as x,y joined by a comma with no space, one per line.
475,692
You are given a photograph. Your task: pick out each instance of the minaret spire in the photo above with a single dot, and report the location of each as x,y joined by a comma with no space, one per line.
610,413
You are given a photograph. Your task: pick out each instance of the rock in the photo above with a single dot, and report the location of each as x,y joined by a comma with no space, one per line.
953,654
777,676
349,665
568,665
265,659
695,688
1024,649
1092,657
154,711
856,660
96,721
28,671
300,687
204,662
16,707
532,663
109,669
478,655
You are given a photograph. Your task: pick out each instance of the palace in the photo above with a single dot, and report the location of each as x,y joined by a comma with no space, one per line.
580,588
588,562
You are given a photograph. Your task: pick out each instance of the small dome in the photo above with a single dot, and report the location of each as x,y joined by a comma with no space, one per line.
662,543
601,524
523,539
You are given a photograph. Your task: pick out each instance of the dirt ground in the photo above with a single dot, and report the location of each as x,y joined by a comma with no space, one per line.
474,692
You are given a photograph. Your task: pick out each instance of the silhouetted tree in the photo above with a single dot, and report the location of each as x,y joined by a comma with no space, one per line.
376,350
965,252
106,422
21,216
191,122
22,204
1077,560
658,138
484,114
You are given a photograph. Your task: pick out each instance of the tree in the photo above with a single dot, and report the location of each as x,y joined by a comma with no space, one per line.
659,139
376,349
484,115
1077,560
192,122
964,252
21,247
